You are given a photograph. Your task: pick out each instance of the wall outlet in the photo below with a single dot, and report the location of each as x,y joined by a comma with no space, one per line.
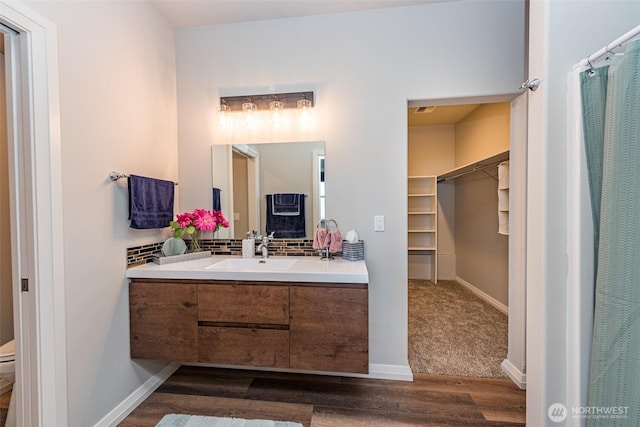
378,223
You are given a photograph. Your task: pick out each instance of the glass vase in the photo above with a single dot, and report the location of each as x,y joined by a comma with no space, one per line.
195,241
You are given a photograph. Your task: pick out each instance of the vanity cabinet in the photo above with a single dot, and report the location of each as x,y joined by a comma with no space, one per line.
308,326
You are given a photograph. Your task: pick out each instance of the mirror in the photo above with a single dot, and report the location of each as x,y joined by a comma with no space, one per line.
247,174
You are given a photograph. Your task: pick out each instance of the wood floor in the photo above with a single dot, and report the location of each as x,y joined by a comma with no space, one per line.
325,401
4,405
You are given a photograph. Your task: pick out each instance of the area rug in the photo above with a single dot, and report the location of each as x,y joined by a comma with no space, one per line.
181,420
453,332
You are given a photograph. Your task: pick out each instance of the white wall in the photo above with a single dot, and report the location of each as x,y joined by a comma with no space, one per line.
561,34
482,255
363,67
118,112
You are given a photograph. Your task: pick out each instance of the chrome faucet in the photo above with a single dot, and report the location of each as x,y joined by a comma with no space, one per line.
264,246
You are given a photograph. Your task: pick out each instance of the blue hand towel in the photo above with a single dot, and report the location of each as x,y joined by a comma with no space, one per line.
286,204
216,199
150,202
286,226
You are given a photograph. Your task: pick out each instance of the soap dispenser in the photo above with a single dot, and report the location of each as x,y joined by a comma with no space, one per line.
248,246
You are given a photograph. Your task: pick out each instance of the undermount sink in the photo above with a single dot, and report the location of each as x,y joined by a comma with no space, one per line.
253,264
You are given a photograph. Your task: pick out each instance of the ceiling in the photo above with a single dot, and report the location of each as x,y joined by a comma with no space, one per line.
442,115
195,13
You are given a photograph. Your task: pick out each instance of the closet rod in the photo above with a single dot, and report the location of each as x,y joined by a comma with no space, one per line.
608,49
475,169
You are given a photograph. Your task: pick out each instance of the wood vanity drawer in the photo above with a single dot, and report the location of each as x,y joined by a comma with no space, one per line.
243,346
244,304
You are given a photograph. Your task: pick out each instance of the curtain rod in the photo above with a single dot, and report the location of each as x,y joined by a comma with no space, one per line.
589,60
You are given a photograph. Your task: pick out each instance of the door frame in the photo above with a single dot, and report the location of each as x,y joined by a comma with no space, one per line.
515,363
39,313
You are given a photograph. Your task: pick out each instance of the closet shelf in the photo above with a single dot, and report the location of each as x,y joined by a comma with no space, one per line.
420,249
422,234
475,166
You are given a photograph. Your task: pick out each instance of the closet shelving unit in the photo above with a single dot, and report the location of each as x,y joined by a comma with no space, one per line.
422,222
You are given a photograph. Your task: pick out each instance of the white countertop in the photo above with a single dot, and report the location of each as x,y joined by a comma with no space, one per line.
305,269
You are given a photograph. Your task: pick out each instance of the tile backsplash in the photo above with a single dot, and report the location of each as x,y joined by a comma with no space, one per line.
281,247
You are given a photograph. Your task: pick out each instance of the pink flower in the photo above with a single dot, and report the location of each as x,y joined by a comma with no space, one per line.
184,219
200,220
221,219
204,220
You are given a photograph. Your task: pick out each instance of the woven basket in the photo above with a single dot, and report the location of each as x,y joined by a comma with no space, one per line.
353,251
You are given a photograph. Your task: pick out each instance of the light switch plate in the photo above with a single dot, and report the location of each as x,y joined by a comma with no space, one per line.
378,223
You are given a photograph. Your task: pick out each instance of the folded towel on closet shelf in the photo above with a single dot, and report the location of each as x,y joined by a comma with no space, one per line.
503,200
503,223
150,202
286,204
503,175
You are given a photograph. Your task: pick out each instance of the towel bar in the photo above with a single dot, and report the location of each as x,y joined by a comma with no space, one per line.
117,175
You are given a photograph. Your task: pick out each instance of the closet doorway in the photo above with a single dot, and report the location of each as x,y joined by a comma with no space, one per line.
463,269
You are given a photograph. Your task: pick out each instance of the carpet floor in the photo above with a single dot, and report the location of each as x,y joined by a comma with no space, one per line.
453,332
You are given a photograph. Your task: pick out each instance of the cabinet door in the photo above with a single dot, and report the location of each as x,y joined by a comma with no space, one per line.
163,321
329,329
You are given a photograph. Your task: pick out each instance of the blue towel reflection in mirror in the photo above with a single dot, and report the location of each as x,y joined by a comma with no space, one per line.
285,215
150,202
216,199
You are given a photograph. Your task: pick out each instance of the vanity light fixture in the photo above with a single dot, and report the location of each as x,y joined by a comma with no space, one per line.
276,115
249,108
276,103
223,116
304,107
263,102
303,104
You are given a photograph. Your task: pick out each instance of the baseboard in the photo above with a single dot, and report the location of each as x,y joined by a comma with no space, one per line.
127,406
390,372
516,375
485,296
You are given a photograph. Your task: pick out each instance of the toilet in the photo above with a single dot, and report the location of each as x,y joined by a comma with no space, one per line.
7,373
